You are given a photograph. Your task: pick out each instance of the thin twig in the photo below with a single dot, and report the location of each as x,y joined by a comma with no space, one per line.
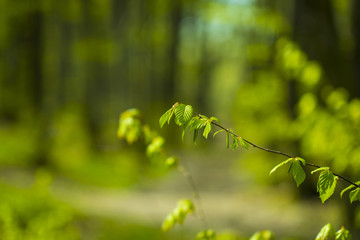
200,212
278,152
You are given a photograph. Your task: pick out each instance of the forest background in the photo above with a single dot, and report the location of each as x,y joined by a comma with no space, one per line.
283,74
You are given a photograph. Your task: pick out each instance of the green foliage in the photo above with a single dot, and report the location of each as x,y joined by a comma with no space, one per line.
343,234
326,184
130,127
263,235
328,233
206,235
295,167
297,171
178,215
281,164
348,188
354,195
172,162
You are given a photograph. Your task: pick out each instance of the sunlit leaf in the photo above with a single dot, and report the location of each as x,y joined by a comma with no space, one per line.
243,143
172,162
179,114
348,188
320,169
301,160
326,185
298,172
188,113
326,233
343,234
215,119
198,123
168,223
164,118
263,235
206,235
207,129
354,195
280,165
221,130
235,143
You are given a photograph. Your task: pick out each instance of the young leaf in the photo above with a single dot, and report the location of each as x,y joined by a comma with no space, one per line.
207,129
348,188
221,130
243,143
198,123
168,223
263,235
301,160
215,119
165,117
281,164
326,185
320,169
354,195
343,234
179,114
298,172
188,112
227,140
206,235
326,233
172,162
196,132
235,143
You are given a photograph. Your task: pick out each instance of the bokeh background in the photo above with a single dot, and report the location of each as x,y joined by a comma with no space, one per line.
282,74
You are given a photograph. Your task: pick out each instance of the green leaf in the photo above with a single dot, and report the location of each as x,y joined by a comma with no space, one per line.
215,119
186,205
188,112
243,143
348,188
263,235
298,172
221,130
227,140
281,164
326,233
320,169
178,215
235,143
343,234
164,118
354,195
172,162
206,235
196,132
155,146
168,223
179,114
198,123
207,129
301,160
326,185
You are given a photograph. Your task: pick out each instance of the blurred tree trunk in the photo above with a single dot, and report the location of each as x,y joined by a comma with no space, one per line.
356,56
170,77
314,29
34,57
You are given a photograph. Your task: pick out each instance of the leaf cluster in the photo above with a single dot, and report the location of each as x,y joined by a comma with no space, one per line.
328,233
178,215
